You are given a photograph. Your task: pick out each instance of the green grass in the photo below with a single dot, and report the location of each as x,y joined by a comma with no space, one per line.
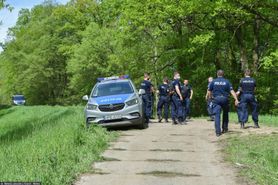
48,144
257,155
267,120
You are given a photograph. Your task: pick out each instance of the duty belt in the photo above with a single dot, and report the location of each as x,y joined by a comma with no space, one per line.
219,96
252,93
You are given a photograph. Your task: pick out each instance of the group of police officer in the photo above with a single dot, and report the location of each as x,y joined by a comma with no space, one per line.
172,94
179,95
218,100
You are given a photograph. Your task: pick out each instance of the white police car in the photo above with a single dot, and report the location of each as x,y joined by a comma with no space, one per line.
114,101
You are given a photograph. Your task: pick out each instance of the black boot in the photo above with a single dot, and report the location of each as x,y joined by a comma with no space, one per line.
166,120
256,125
159,118
147,120
211,118
242,125
175,122
218,134
181,122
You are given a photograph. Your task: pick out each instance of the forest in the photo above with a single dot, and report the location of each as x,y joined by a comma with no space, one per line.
54,53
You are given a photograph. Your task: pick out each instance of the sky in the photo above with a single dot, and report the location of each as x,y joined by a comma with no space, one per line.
8,18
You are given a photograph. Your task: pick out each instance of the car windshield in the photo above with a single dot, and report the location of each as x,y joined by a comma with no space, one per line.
18,97
113,88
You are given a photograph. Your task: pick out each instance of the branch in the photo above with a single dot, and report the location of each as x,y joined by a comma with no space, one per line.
262,17
168,64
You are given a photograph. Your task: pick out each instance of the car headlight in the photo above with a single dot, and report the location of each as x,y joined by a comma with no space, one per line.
91,107
132,102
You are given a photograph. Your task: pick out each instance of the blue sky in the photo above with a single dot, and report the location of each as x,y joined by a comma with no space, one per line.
8,18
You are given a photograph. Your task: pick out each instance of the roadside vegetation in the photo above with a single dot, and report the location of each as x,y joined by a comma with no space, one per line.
264,120
48,144
256,154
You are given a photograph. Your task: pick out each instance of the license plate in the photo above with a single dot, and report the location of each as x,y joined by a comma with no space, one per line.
111,117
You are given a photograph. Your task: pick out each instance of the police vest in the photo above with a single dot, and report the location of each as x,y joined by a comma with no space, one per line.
163,90
247,85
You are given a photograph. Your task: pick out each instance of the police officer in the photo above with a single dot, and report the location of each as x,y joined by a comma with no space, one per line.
184,95
247,88
209,101
164,100
239,108
187,97
176,104
147,101
219,90
152,100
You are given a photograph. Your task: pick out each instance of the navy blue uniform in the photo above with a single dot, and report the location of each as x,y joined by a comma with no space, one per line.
186,93
177,110
247,87
147,98
239,109
209,106
163,100
220,88
152,100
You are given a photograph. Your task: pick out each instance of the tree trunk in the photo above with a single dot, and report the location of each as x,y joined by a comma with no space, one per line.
256,27
181,62
243,56
232,58
217,61
217,54
155,83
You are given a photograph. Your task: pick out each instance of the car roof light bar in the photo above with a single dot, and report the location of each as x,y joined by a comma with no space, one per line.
113,78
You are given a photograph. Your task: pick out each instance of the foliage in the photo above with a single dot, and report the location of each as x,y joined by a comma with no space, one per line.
3,4
57,51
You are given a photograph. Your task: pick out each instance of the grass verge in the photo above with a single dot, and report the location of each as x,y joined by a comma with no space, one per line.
48,144
256,155
267,120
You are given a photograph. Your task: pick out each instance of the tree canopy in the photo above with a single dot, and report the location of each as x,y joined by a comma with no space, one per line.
56,52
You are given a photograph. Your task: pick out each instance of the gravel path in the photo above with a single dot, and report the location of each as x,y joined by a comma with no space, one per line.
165,154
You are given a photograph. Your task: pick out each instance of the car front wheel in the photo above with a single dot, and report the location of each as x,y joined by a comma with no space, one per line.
143,123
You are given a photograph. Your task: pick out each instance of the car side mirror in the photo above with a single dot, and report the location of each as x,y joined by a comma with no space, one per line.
141,92
85,98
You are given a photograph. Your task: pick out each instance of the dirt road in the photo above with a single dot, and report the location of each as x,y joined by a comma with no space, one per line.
164,154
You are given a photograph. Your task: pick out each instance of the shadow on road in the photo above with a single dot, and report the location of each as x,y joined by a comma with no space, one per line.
123,128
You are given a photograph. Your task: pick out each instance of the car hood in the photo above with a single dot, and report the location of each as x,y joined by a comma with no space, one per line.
121,98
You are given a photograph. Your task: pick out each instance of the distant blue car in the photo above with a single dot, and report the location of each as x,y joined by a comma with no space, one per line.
18,99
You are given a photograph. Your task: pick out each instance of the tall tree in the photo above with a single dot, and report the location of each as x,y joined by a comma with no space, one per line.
56,52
